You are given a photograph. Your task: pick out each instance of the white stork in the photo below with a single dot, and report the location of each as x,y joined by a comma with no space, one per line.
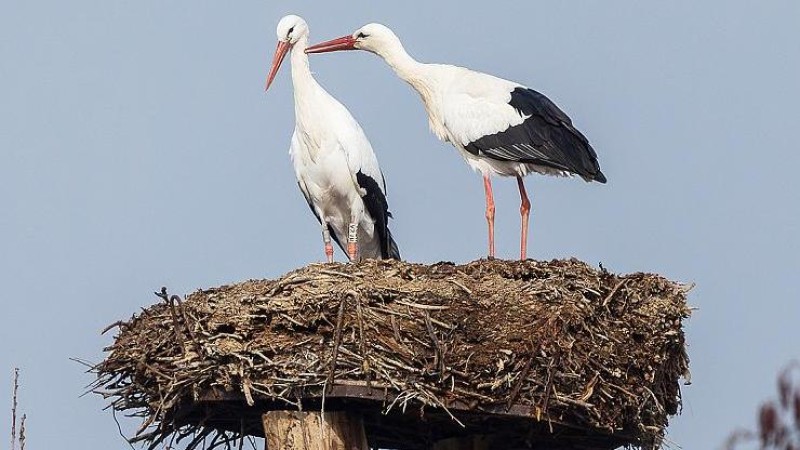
336,169
499,127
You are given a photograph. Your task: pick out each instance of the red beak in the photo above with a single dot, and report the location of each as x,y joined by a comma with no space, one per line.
342,43
280,53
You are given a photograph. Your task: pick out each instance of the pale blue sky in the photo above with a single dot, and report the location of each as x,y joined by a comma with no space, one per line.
138,149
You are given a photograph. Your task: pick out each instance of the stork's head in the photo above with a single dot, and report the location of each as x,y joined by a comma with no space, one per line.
290,29
373,37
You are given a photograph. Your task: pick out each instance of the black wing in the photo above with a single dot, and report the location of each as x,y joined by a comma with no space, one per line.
546,138
378,209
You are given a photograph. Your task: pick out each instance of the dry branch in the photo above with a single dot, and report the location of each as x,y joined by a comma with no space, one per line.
14,410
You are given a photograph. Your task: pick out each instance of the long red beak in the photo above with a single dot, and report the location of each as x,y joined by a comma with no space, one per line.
342,43
280,53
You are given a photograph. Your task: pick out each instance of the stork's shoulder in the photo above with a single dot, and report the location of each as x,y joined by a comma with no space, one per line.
476,104
480,85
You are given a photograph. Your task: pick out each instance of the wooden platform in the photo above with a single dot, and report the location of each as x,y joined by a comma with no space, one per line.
416,428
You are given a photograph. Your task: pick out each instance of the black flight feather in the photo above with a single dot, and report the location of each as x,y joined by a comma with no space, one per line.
378,209
546,138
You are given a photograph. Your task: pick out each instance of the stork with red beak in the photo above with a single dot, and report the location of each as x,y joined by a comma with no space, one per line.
500,127
336,169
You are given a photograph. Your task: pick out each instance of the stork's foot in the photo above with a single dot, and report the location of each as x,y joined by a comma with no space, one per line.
329,251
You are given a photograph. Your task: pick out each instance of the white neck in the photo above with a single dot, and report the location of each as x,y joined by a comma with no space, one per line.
421,77
304,83
402,63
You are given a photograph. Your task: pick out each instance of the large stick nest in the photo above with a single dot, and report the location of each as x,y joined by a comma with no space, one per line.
554,352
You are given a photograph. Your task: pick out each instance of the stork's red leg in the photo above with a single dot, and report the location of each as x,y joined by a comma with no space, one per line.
524,211
326,238
352,251
329,252
487,185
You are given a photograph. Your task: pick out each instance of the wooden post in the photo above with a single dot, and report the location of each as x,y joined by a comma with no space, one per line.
295,430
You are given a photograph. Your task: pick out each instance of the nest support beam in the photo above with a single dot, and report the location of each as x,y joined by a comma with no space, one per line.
298,430
341,430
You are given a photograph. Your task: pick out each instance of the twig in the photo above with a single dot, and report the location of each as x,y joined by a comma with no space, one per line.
464,288
614,291
439,356
547,387
337,274
118,323
119,428
177,301
337,340
421,306
171,302
518,385
395,330
287,282
22,432
655,399
362,343
14,410
570,401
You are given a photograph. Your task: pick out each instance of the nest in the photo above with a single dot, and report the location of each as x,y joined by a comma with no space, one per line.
537,352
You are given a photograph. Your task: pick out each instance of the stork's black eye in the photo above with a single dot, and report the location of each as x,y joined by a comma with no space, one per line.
360,35
290,30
